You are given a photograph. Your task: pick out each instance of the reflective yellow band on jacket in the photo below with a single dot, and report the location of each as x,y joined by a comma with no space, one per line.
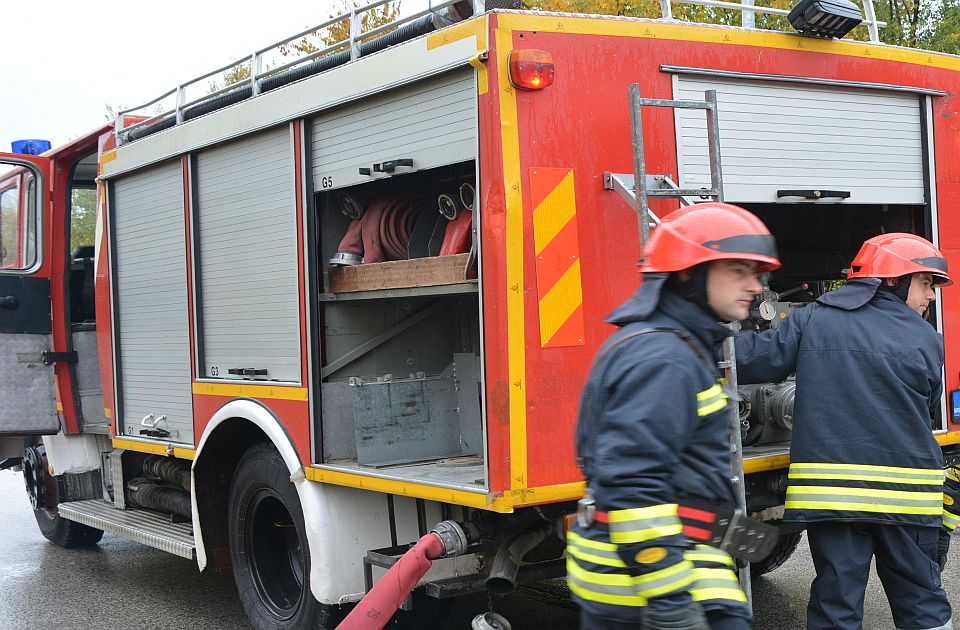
591,544
592,551
950,521
705,553
654,584
863,500
711,393
616,590
642,524
711,400
716,584
603,597
703,594
674,578
864,472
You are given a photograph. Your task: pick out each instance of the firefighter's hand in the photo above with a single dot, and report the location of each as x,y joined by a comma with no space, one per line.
943,548
685,617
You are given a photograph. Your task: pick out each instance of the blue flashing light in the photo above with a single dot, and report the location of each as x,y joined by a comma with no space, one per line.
31,147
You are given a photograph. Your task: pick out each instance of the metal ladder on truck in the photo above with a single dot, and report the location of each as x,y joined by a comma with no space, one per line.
637,189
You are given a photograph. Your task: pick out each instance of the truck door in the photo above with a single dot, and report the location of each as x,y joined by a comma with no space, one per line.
27,401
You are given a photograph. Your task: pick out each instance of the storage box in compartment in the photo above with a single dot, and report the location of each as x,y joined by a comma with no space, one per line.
421,418
417,272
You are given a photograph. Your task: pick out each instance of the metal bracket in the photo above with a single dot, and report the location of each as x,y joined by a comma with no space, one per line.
380,339
384,558
48,357
660,186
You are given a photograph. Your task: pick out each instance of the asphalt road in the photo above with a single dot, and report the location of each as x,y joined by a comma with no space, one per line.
123,585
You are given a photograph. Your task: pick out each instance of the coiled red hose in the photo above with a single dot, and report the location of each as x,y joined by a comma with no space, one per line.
384,231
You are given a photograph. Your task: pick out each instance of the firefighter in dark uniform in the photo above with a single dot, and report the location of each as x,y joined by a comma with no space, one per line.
866,474
653,432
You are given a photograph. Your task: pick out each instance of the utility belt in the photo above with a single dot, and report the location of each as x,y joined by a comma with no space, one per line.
731,531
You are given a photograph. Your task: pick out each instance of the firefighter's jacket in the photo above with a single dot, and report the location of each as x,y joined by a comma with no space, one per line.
868,380
652,433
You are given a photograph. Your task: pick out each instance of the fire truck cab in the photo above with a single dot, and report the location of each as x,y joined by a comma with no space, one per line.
357,294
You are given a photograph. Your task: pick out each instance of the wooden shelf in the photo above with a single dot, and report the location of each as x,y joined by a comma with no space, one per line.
461,288
417,273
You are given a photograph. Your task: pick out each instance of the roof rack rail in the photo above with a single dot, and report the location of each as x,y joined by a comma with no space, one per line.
749,10
437,15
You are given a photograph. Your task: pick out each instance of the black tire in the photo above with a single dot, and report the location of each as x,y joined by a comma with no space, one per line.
786,545
268,544
45,494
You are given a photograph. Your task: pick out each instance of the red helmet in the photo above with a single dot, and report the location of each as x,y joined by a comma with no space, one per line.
899,254
705,232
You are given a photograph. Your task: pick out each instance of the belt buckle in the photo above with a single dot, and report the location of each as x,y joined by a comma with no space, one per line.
586,508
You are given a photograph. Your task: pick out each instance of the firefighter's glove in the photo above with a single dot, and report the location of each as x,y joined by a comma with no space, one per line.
943,548
684,617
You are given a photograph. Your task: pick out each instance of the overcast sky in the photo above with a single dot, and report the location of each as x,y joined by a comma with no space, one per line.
66,60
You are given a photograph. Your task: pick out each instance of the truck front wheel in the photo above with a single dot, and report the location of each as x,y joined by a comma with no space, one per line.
46,492
268,544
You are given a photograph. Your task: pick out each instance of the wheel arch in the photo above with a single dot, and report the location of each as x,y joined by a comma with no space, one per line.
230,432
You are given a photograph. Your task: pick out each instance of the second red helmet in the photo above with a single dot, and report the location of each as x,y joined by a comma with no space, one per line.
705,232
898,254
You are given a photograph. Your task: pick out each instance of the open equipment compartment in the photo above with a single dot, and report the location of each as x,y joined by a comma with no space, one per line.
394,180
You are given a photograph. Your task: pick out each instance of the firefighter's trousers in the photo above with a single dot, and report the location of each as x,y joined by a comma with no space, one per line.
906,565
717,620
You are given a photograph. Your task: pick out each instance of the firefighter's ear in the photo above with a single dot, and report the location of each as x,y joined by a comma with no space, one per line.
683,275
891,282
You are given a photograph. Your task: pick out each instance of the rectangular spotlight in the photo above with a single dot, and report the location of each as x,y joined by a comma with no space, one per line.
825,18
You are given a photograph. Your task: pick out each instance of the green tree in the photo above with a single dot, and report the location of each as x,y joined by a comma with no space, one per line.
311,43
83,217
237,74
340,31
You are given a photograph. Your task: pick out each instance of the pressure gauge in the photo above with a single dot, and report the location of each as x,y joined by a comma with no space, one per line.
768,310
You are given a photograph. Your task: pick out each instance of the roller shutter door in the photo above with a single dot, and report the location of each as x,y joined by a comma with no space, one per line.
433,122
788,136
246,239
151,301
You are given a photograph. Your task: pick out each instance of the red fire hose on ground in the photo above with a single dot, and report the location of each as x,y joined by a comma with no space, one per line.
382,601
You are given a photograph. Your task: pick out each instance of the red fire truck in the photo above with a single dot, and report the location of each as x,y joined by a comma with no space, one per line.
357,294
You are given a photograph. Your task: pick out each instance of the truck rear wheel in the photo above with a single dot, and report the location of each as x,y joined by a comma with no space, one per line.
786,545
268,544
46,492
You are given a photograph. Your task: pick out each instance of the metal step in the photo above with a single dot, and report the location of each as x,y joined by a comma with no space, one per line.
143,526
